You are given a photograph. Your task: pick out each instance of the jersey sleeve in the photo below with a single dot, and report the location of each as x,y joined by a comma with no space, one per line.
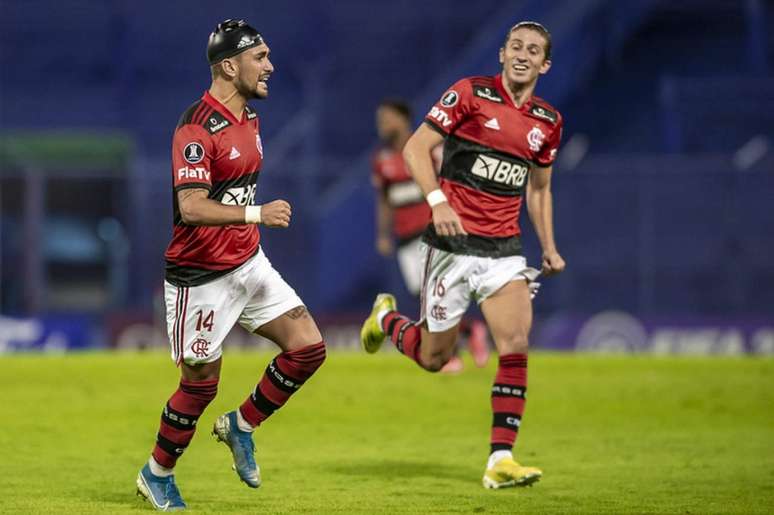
547,154
192,154
452,108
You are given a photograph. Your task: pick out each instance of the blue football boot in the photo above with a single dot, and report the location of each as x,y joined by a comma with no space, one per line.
242,448
161,492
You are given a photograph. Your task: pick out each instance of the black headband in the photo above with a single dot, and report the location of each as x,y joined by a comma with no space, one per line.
230,38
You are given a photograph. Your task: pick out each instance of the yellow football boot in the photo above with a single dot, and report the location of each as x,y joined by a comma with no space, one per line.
371,334
507,472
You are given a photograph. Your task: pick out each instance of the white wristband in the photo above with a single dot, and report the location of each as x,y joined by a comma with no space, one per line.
252,214
436,197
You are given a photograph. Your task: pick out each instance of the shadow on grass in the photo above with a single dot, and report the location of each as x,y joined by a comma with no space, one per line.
404,469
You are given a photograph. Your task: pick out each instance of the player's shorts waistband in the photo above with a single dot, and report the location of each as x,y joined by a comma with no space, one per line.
474,244
187,276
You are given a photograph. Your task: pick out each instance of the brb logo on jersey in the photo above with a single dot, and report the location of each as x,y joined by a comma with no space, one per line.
535,139
193,153
500,171
239,196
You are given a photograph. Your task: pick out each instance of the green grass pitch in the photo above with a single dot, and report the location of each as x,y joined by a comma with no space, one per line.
375,434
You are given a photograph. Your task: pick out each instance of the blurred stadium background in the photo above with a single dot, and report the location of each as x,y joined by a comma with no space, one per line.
663,191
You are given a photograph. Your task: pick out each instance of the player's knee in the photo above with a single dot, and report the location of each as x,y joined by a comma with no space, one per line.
306,335
204,391
516,342
307,359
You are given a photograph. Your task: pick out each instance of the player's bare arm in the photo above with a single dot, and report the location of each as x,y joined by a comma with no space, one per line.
418,156
384,244
540,209
197,209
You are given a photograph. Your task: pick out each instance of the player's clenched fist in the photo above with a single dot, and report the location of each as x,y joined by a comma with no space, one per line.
447,222
553,263
276,214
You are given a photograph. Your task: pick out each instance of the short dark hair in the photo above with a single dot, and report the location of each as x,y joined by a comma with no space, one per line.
399,106
537,27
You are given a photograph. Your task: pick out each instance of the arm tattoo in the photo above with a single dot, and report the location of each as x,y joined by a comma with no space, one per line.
184,194
296,313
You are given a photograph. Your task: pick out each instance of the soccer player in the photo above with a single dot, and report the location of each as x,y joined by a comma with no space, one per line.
216,271
500,142
402,215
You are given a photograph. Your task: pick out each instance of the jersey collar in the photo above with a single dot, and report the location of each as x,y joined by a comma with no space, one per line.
498,80
215,104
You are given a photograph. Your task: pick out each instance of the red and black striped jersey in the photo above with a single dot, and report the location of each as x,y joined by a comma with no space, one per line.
213,150
393,180
490,147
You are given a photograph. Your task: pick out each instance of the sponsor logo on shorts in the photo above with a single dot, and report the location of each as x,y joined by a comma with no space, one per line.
535,138
200,347
450,98
438,312
193,153
500,171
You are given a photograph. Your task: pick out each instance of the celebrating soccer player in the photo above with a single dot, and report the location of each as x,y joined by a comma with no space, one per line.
216,271
500,142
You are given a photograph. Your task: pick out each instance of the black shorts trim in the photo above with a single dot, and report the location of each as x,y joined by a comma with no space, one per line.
473,244
187,276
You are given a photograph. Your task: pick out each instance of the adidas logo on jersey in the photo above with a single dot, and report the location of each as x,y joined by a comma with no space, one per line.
234,153
492,124
500,171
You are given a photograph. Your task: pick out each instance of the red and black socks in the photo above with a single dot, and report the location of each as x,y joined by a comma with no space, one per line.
404,333
286,373
508,398
178,420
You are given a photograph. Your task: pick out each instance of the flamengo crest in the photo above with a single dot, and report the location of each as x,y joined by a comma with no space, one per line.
535,138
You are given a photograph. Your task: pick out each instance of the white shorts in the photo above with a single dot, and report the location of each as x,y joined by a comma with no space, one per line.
450,280
200,317
410,262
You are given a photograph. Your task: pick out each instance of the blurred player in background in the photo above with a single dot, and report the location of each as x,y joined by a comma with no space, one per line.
402,215
500,142
216,271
